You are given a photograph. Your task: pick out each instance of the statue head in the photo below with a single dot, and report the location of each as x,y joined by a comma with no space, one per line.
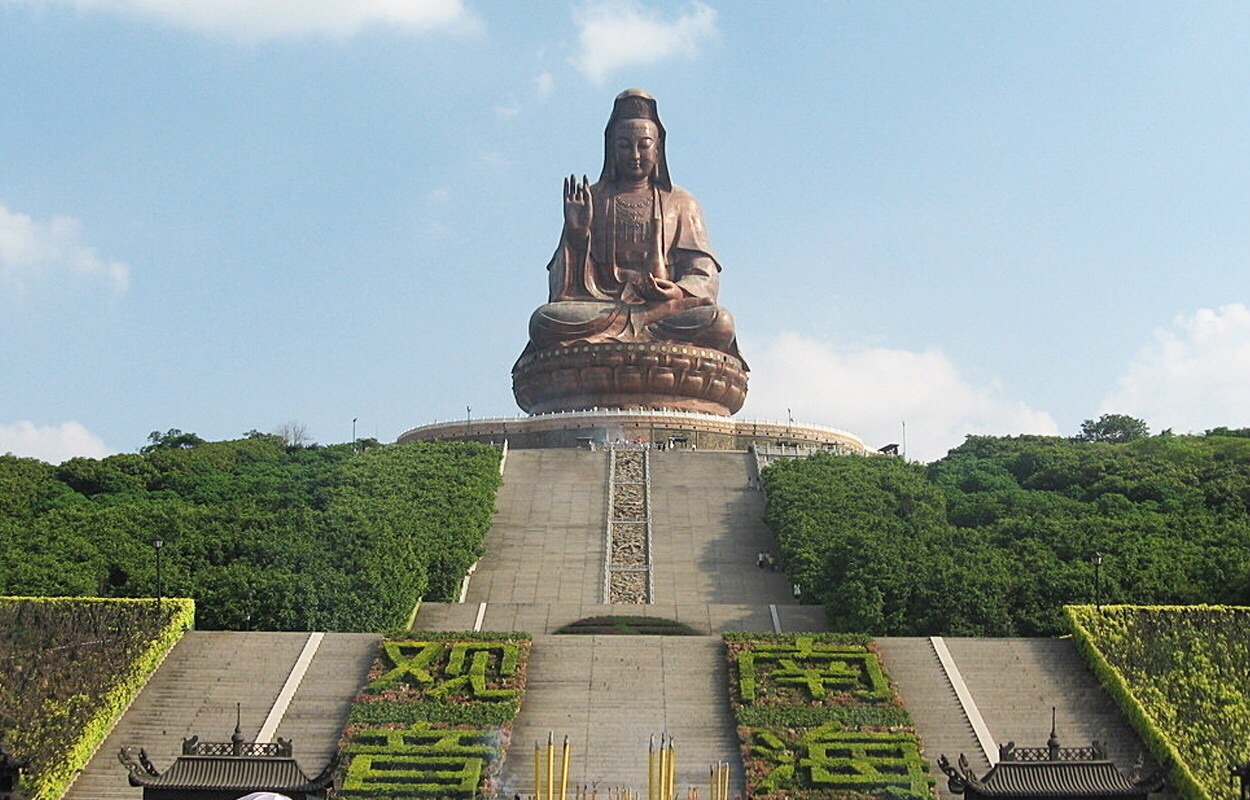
633,108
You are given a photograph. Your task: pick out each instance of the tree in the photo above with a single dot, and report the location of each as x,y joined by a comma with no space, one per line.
1224,430
172,439
294,434
1114,428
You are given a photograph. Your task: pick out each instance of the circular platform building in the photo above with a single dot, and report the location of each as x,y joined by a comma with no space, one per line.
597,428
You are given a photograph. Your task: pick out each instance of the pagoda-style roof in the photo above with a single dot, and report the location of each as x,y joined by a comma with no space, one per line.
1050,772
226,771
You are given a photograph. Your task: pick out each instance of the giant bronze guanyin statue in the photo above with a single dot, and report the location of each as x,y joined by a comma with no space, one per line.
631,320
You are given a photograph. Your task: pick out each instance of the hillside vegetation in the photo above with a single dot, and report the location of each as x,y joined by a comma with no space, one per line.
996,537
261,535
1179,675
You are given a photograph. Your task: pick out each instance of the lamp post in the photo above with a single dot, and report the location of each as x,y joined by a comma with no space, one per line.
157,544
1097,559
355,441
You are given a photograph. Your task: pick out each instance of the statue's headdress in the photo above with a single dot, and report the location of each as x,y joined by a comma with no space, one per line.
635,104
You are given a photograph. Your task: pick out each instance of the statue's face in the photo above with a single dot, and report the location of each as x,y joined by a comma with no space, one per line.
635,148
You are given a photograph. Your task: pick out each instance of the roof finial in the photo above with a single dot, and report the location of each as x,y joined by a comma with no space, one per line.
1052,744
236,740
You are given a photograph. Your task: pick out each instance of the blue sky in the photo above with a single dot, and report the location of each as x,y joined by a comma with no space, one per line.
226,215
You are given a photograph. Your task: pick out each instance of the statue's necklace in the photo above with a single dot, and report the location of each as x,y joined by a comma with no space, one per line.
633,220
636,211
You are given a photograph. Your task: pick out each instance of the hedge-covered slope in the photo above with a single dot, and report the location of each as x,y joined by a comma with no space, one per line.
1180,676
69,667
261,535
996,537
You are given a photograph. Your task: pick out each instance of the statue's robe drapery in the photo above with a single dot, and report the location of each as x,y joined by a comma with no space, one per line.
576,274
592,297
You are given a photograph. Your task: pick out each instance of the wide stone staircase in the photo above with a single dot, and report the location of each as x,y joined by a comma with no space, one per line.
196,689
1016,682
543,568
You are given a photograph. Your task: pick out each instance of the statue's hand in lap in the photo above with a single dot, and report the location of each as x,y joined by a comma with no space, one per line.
578,211
659,289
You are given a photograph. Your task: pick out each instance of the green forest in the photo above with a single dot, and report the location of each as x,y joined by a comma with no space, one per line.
996,537
264,536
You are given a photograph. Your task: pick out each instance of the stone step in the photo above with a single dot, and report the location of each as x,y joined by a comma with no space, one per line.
546,541
1014,683
315,718
709,530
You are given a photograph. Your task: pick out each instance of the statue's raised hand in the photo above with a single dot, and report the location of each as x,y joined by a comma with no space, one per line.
578,211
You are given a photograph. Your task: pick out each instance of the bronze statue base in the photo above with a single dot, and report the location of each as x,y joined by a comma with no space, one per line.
611,375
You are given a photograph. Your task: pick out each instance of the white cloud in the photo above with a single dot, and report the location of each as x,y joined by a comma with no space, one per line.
261,20
51,443
613,34
1192,376
873,392
543,86
495,159
508,111
31,250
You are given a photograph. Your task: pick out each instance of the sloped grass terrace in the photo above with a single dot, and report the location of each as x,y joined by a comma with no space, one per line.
69,667
435,718
818,718
1180,675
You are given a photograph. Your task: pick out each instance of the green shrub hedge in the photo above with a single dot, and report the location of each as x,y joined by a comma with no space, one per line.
628,625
